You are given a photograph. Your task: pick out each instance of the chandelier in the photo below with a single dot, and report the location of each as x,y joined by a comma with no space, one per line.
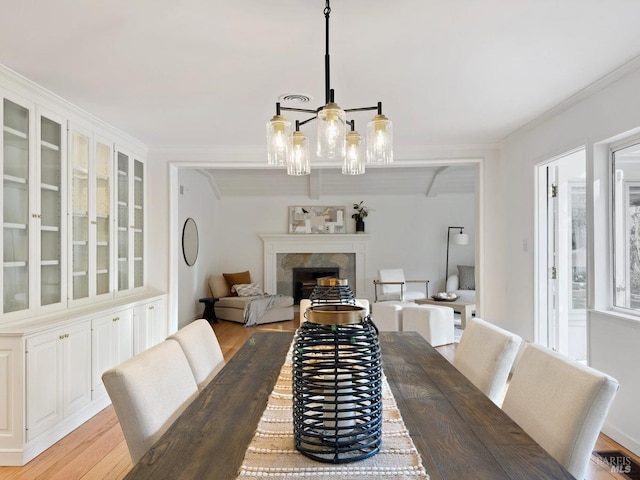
334,141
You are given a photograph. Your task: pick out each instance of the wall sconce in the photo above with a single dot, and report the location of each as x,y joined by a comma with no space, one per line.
459,239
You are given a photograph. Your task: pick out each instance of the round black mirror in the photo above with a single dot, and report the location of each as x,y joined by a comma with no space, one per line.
190,241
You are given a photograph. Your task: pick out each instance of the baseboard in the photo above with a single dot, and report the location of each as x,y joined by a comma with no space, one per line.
38,445
622,438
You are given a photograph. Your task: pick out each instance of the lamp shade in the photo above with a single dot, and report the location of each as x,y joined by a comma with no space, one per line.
461,239
353,163
298,162
332,130
379,140
278,140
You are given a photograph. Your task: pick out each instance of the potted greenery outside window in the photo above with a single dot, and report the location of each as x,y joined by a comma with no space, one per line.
362,211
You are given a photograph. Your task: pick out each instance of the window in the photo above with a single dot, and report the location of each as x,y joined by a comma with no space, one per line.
626,227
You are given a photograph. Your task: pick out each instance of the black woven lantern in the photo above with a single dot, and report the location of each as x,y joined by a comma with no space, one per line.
337,380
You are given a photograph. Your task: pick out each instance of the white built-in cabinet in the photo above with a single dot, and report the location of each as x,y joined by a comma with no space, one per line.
149,329
58,376
111,344
51,373
74,296
33,213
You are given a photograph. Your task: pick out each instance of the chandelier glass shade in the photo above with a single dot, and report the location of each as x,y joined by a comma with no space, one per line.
332,131
279,146
298,163
333,142
379,140
353,163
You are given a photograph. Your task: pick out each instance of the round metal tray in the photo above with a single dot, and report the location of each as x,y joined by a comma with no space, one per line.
335,314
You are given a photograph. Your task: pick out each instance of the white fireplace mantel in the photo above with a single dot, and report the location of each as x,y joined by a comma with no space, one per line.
314,243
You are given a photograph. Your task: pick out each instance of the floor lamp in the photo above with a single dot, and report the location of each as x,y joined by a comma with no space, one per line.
459,239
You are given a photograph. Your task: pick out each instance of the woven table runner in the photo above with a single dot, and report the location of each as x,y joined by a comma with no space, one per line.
272,454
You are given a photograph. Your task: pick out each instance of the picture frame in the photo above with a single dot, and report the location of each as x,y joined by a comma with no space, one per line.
316,219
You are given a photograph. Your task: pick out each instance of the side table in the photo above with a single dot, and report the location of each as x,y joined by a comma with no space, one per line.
209,311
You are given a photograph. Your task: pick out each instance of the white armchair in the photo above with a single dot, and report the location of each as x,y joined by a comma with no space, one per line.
394,286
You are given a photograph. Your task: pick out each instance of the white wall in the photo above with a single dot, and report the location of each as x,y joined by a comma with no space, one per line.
592,121
195,200
408,232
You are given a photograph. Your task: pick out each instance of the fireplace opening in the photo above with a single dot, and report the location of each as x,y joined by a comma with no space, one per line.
305,280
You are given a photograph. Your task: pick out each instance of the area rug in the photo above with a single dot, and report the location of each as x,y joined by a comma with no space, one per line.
272,455
616,461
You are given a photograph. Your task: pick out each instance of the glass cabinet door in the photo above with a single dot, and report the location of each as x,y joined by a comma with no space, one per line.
80,157
16,206
51,143
103,218
91,167
130,221
138,224
123,221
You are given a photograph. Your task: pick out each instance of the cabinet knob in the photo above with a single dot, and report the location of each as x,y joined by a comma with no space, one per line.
151,307
94,222
34,215
61,337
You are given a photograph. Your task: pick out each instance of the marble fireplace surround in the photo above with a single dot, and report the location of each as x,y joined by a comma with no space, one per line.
314,243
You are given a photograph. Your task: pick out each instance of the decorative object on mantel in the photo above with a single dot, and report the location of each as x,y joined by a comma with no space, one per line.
292,150
316,219
337,378
362,211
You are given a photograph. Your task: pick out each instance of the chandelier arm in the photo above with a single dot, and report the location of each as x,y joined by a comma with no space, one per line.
300,123
301,110
361,109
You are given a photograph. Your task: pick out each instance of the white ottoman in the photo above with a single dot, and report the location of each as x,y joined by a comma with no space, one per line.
434,323
387,316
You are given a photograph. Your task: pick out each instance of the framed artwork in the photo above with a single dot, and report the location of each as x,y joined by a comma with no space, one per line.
315,219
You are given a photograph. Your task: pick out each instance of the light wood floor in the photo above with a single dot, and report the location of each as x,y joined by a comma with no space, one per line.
97,450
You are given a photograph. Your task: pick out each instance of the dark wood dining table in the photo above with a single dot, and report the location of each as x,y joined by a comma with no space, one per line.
459,433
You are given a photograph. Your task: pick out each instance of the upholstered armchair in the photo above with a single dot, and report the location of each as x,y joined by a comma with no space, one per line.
393,286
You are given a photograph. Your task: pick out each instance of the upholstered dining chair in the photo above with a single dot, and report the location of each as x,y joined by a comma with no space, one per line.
393,286
485,356
202,349
149,391
560,403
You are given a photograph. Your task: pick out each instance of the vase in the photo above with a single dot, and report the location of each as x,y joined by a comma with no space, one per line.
359,226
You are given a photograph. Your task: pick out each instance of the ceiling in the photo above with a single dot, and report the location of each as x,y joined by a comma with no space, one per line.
202,73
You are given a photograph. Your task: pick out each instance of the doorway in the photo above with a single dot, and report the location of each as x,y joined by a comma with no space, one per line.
562,248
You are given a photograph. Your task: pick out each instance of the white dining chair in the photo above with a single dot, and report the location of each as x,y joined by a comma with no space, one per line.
149,391
560,403
202,349
485,356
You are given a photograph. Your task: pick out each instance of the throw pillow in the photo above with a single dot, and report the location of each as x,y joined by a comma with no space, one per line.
247,289
236,279
467,277
218,286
